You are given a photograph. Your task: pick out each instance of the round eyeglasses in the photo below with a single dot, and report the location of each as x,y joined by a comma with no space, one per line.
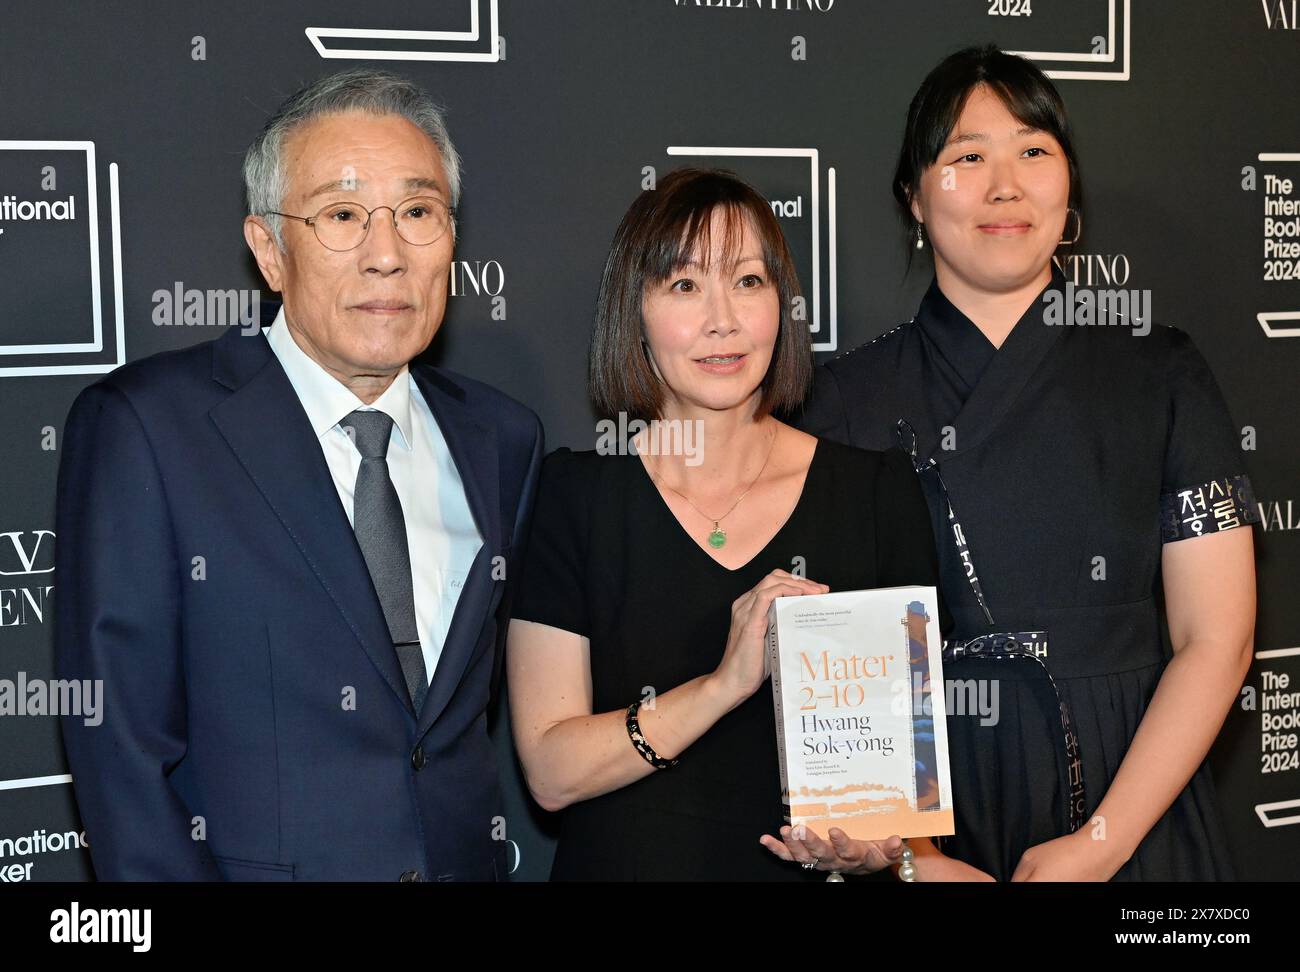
344,225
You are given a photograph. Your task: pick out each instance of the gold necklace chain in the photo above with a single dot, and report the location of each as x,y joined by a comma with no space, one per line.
718,536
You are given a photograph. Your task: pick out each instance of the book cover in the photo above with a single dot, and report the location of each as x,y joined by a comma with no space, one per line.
862,739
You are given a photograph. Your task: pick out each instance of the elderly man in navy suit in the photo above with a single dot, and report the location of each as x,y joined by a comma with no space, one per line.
289,554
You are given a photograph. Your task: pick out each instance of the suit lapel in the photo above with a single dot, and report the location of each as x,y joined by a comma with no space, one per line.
473,448
267,429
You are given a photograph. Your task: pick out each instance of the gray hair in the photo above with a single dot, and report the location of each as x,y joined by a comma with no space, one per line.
358,89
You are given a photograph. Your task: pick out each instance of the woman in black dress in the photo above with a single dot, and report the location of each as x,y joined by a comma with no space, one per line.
648,576
1074,474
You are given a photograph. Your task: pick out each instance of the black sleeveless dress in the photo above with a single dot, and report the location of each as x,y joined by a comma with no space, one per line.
608,560
1070,456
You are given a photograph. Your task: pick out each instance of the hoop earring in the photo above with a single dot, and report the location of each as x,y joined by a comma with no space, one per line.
1078,228
920,240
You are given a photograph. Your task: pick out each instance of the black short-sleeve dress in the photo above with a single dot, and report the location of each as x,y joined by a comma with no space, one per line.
1055,467
608,560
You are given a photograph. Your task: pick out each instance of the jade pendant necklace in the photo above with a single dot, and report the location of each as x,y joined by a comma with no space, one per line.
718,536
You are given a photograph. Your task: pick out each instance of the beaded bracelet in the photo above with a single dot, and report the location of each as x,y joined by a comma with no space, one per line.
639,741
908,871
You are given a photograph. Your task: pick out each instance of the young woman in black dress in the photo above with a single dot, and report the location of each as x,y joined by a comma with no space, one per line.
648,576
1074,475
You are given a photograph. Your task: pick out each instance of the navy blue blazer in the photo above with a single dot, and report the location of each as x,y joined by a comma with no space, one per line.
256,724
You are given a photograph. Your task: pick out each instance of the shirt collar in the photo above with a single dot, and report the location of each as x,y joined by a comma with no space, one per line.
326,399
963,345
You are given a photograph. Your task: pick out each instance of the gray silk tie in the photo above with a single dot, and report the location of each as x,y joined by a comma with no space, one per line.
381,533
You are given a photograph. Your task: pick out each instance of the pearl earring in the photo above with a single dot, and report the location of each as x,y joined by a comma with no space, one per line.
920,241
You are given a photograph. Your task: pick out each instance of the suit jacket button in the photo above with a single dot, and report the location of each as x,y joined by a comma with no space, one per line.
417,759
409,876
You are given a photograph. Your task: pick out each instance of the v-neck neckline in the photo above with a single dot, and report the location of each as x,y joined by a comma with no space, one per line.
1004,376
964,348
644,476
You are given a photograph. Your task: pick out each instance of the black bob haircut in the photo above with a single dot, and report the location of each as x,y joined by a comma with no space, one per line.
661,231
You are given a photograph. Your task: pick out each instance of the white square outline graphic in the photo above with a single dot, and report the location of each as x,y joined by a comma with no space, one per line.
115,211
1122,74
314,34
813,157
92,200
1266,319
1268,817
34,781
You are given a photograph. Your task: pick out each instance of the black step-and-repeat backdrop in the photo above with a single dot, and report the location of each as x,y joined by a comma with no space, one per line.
122,129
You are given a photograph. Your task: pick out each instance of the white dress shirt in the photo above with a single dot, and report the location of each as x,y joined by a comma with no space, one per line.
440,530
